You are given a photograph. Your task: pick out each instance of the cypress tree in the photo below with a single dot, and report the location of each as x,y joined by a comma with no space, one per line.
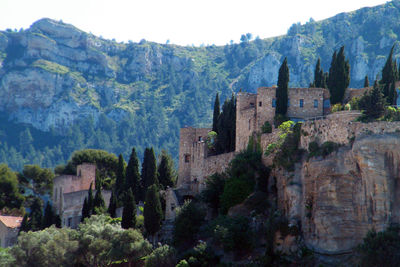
57,221
99,205
152,211
48,218
112,208
282,90
149,169
320,77
389,77
36,215
373,103
129,211
90,201
132,173
216,114
226,127
85,210
25,226
121,176
366,81
339,76
165,170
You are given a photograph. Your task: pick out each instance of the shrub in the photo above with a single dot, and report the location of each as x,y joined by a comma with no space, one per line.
202,255
266,128
313,149
381,249
392,114
236,190
214,188
279,119
337,107
288,153
161,256
328,147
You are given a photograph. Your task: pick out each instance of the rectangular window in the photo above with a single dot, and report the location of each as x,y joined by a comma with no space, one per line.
273,102
301,103
260,104
187,158
315,103
200,138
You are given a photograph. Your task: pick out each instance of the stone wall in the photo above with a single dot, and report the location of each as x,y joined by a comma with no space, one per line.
265,110
245,119
191,151
340,127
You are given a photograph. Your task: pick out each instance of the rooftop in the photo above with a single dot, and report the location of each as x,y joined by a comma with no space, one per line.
11,221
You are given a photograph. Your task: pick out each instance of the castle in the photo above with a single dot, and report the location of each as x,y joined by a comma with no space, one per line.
252,111
70,192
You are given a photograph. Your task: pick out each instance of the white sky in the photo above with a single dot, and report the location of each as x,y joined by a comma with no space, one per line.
183,22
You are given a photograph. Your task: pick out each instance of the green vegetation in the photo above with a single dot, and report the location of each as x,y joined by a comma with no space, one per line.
339,76
152,210
266,127
314,150
165,170
129,211
389,78
9,194
320,77
226,127
282,90
50,66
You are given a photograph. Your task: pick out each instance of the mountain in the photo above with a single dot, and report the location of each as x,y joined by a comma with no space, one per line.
62,89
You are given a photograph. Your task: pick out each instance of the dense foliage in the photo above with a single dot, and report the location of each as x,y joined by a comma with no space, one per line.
339,76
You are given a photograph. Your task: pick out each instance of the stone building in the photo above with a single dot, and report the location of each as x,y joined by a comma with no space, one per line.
70,192
9,228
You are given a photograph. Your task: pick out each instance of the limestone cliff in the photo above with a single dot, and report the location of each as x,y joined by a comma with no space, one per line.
339,198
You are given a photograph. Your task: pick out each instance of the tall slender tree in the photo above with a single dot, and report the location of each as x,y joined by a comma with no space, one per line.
90,200
320,77
149,169
226,127
48,218
132,173
366,81
216,114
112,207
85,210
35,216
339,76
121,174
282,90
99,205
166,173
389,77
152,211
129,211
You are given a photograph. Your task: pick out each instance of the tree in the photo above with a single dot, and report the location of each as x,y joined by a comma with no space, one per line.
90,200
282,90
213,191
162,256
112,207
152,211
366,81
132,173
129,211
339,76
49,216
42,179
149,170
216,114
99,205
319,76
35,216
121,176
373,103
389,78
166,172
9,193
25,227
85,210
226,127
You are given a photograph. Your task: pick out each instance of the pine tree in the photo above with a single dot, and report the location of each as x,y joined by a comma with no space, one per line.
389,77
121,176
152,211
339,76
99,205
112,207
366,81
165,170
129,211
48,218
132,173
149,170
216,114
282,90
85,210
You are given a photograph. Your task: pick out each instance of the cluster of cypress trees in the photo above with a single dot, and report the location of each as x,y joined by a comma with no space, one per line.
224,124
132,186
390,74
320,77
36,220
339,76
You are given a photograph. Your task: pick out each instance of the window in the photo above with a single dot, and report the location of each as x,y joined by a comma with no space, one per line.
260,104
200,138
69,221
288,102
327,103
301,103
273,102
187,158
315,103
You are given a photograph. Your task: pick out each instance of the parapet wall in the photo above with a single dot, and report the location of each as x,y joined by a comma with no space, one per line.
341,128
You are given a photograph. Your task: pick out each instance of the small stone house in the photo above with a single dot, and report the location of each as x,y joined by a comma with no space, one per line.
9,228
70,192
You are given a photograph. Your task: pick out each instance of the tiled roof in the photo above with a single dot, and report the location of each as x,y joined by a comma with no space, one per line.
11,221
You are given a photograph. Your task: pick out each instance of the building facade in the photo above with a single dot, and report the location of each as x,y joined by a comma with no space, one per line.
9,228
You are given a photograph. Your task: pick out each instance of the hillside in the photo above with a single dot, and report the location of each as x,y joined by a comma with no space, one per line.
63,89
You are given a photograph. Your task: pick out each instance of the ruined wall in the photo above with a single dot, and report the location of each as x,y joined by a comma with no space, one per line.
340,127
265,110
191,151
245,119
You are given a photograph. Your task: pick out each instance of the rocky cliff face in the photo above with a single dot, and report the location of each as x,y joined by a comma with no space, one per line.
339,198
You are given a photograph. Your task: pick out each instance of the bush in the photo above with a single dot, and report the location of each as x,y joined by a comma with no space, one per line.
266,128
236,190
161,256
325,149
279,119
392,114
337,107
381,249
288,153
214,188
201,255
